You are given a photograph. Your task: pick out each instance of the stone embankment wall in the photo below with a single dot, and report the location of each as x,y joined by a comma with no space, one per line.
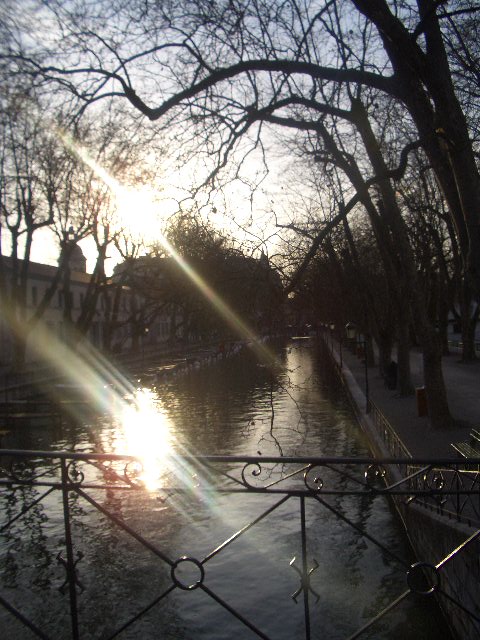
435,538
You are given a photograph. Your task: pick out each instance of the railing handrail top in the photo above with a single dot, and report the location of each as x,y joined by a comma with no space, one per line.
320,460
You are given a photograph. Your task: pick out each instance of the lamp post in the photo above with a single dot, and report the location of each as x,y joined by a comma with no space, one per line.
332,329
144,338
351,331
363,342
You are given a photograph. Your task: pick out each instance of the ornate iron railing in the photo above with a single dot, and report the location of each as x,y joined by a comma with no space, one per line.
393,443
312,487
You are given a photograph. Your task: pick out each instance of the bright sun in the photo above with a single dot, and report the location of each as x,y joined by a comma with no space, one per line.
139,211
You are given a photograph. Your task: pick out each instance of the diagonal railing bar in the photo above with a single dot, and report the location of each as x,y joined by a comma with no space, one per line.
190,467
456,501
25,621
408,478
111,474
152,548
447,559
379,616
287,477
460,478
143,541
241,482
235,613
123,525
141,613
14,474
25,510
243,530
224,474
463,506
342,473
456,551
429,592
363,533
441,484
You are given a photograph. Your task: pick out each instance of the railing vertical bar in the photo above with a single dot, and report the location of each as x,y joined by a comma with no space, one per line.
70,561
457,479
305,577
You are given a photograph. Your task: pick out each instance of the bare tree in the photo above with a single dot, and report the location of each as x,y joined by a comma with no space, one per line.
235,70
226,66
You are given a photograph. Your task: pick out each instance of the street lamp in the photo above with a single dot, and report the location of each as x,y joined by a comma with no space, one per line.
332,329
144,338
351,331
363,342
340,340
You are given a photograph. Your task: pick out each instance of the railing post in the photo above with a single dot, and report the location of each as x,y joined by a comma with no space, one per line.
70,564
457,482
305,577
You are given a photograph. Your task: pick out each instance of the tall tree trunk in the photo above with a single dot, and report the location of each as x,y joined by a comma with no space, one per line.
405,386
385,348
436,391
438,410
469,324
424,84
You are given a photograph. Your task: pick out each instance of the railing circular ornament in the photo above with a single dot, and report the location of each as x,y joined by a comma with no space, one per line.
179,566
312,480
374,474
75,476
434,480
423,578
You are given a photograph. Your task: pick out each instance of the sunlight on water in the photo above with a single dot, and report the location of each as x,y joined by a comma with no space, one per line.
145,432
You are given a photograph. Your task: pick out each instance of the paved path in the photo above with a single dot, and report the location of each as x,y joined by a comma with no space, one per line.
463,388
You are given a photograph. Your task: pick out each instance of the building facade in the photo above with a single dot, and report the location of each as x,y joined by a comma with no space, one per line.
108,314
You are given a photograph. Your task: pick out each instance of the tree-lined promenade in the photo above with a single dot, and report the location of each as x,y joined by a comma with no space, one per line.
372,106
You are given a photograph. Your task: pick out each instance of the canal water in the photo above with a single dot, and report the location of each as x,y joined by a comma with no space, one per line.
234,406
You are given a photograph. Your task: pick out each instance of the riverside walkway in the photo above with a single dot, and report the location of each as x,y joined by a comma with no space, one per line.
421,440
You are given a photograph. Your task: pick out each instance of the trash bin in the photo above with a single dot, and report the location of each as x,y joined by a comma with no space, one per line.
422,406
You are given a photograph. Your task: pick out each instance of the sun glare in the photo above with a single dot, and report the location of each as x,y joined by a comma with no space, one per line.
140,206
145,433
138,210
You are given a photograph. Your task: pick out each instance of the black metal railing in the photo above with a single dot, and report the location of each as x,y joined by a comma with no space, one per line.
391,440
101,482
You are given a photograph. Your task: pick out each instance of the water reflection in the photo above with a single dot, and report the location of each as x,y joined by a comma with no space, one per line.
231,407
144,430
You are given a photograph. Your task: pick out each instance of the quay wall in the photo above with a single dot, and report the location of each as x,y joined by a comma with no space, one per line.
434,537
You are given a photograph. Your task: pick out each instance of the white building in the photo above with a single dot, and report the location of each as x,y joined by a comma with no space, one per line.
72,292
